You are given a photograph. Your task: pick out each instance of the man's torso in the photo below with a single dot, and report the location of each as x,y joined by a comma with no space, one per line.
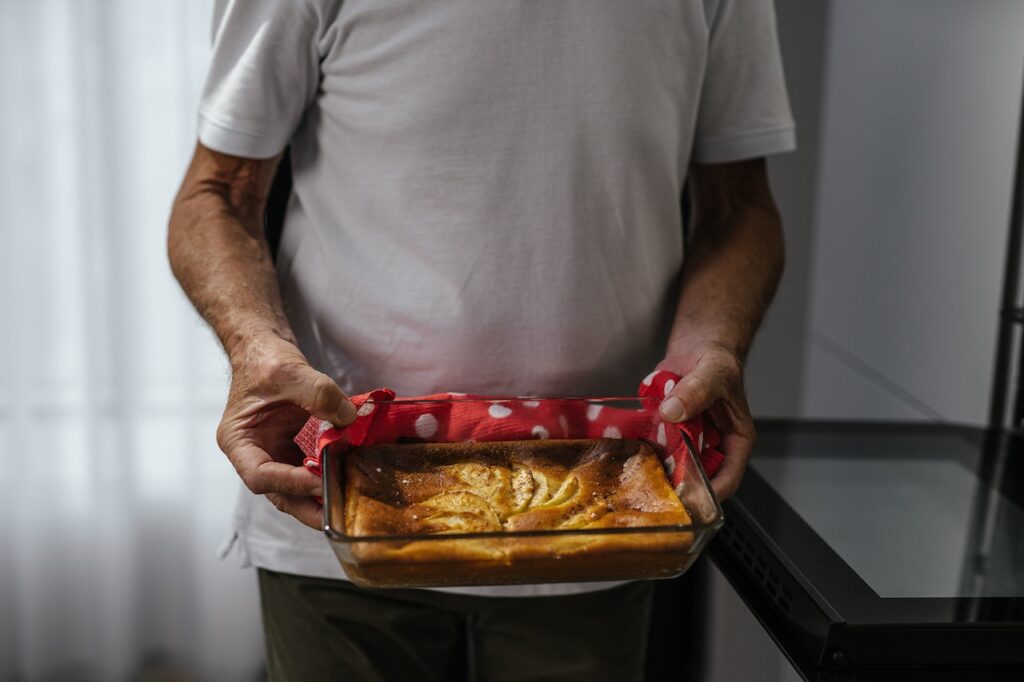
486,199
487,193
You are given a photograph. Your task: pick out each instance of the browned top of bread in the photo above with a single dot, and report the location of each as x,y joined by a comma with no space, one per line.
429,488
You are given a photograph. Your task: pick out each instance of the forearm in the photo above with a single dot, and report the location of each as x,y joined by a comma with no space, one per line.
218,251
219,254
733,264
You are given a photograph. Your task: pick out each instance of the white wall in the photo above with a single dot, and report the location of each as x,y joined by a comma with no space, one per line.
896,209
776,364
921,108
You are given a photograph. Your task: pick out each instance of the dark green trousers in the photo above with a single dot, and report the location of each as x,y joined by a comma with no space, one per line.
320,629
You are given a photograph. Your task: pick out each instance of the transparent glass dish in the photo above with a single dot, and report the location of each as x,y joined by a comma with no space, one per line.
532,556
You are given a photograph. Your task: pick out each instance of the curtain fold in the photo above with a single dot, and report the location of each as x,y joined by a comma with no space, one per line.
115,493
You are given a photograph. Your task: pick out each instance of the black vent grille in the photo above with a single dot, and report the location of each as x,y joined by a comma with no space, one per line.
762,566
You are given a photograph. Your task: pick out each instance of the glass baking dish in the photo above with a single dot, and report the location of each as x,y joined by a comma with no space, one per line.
534,556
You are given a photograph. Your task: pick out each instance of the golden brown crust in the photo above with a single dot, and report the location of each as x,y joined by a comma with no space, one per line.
429,488
580,485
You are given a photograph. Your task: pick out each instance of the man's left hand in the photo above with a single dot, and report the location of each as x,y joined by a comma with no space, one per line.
712,383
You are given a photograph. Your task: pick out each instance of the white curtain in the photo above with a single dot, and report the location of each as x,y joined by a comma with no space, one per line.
114,495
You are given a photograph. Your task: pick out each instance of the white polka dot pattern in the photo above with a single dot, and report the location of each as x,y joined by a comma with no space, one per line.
649,378
499,411
522,417
426,425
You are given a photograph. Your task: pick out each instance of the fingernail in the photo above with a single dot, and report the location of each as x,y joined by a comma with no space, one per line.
672,409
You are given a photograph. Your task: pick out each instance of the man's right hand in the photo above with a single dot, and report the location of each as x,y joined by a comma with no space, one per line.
273,392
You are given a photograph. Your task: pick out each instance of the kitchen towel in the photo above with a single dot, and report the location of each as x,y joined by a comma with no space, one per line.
458,417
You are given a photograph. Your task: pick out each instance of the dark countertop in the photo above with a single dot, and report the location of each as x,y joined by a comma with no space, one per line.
883,551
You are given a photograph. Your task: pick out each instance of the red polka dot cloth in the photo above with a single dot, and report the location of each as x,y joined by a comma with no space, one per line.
458,418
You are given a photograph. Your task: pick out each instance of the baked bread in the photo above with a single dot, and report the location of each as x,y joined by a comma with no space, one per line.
489,488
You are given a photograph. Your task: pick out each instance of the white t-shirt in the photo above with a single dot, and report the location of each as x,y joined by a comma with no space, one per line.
486,194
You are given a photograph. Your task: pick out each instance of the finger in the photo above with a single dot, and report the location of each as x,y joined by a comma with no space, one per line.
318,394
736,449
738,438
262,475
727,479
277,477
305,509
695,393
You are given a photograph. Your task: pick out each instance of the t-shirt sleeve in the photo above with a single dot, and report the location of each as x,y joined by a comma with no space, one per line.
744,109
264,72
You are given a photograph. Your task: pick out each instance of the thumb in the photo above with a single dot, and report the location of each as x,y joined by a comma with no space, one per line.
694,394
318,394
